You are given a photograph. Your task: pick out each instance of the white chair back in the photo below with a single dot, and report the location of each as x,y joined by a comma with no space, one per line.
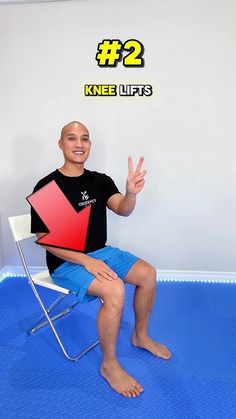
20,227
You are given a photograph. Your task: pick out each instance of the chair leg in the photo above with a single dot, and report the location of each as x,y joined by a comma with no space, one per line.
50,322
39,325
71,358
35,327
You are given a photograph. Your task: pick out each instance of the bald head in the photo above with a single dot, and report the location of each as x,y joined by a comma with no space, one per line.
71,124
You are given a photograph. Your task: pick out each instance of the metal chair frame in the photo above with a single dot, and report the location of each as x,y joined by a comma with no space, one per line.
48,283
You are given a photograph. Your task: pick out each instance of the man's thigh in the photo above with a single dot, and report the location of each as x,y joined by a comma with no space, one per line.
120,261
106,288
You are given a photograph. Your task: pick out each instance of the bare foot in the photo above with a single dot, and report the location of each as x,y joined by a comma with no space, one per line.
150,345
120,380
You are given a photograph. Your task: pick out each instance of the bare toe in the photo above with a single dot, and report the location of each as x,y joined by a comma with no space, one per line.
120,380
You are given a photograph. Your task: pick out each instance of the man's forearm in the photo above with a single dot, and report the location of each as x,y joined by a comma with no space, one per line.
127,204
96,267
67,255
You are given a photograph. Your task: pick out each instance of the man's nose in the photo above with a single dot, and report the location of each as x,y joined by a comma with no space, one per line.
78,142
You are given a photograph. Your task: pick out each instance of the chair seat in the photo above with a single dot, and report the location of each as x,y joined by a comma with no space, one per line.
44,279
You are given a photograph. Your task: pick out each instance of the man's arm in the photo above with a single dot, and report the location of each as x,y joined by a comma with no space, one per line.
96,267
124,205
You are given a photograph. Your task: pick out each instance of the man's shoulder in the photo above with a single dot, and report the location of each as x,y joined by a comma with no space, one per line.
98,175
105,182
46,179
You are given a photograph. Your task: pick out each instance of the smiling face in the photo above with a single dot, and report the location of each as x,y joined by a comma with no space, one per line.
75,143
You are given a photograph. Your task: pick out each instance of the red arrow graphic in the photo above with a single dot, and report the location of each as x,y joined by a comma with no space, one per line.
67,228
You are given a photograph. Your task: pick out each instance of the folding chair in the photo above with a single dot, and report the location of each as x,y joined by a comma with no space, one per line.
20,227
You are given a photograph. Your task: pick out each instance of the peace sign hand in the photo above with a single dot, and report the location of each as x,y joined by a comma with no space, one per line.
135,181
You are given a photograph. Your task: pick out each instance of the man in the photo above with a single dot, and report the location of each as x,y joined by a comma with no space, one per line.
101,271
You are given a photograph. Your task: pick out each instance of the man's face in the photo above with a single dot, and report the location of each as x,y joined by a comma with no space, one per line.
75,143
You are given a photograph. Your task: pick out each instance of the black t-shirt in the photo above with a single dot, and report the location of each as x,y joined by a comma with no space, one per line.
90,188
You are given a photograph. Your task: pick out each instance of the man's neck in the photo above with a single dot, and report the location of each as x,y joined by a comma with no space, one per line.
72,170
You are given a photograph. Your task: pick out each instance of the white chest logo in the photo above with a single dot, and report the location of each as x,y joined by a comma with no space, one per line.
86,200
84,196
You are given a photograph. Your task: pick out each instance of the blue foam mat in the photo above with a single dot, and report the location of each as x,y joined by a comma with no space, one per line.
195,320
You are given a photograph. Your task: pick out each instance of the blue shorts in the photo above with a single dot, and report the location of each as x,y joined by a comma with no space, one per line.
75,277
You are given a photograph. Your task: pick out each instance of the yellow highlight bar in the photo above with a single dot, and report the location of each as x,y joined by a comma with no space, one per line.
100,89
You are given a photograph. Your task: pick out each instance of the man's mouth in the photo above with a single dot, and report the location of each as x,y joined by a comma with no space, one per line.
79,153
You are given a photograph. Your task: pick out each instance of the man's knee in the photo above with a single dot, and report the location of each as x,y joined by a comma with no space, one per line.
152,275
114,293
149,275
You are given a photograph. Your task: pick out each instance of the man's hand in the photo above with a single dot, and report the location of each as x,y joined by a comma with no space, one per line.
124,205
100,270
135,180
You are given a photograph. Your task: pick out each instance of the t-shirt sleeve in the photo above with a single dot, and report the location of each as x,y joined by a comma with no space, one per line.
37,225
109,187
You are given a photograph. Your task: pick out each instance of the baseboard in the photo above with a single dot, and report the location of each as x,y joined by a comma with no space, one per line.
162,275
12,271
196,276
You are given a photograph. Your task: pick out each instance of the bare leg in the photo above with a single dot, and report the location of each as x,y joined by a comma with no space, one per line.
143,276
108,323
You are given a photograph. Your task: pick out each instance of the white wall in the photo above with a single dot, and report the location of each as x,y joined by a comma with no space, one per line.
185,217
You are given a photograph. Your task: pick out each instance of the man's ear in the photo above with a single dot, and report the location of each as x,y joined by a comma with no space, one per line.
60,143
